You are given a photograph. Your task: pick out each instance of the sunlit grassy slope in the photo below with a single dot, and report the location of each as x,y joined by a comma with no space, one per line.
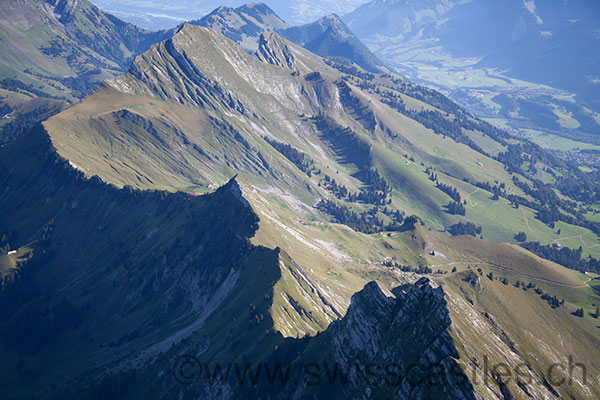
147,130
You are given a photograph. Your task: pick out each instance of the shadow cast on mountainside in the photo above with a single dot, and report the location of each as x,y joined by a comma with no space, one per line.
394,347
117,275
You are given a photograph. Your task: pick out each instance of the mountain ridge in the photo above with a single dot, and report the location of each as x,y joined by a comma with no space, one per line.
350,178
327,37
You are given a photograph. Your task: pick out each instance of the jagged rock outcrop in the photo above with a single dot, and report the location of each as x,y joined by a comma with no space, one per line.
407,335
384,347
244,24
273,50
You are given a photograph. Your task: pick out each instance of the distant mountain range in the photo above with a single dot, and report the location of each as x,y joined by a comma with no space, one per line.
158,15
243,24
330,37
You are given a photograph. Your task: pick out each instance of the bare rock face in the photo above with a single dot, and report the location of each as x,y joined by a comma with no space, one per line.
384,347
63,7
403,343
244,24
272,49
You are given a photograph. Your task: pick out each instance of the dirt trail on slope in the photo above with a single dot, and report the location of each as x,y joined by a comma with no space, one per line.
503,268
529,227
557,241
469,198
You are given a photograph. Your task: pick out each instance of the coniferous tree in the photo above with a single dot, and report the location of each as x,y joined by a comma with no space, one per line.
456,208
521,237
465,228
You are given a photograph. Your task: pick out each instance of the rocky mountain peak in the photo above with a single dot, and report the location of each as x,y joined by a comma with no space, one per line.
411,329
243,24
259,11
334,22
330,37
233,187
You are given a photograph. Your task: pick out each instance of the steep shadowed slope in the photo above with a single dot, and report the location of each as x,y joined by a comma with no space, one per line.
112,272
